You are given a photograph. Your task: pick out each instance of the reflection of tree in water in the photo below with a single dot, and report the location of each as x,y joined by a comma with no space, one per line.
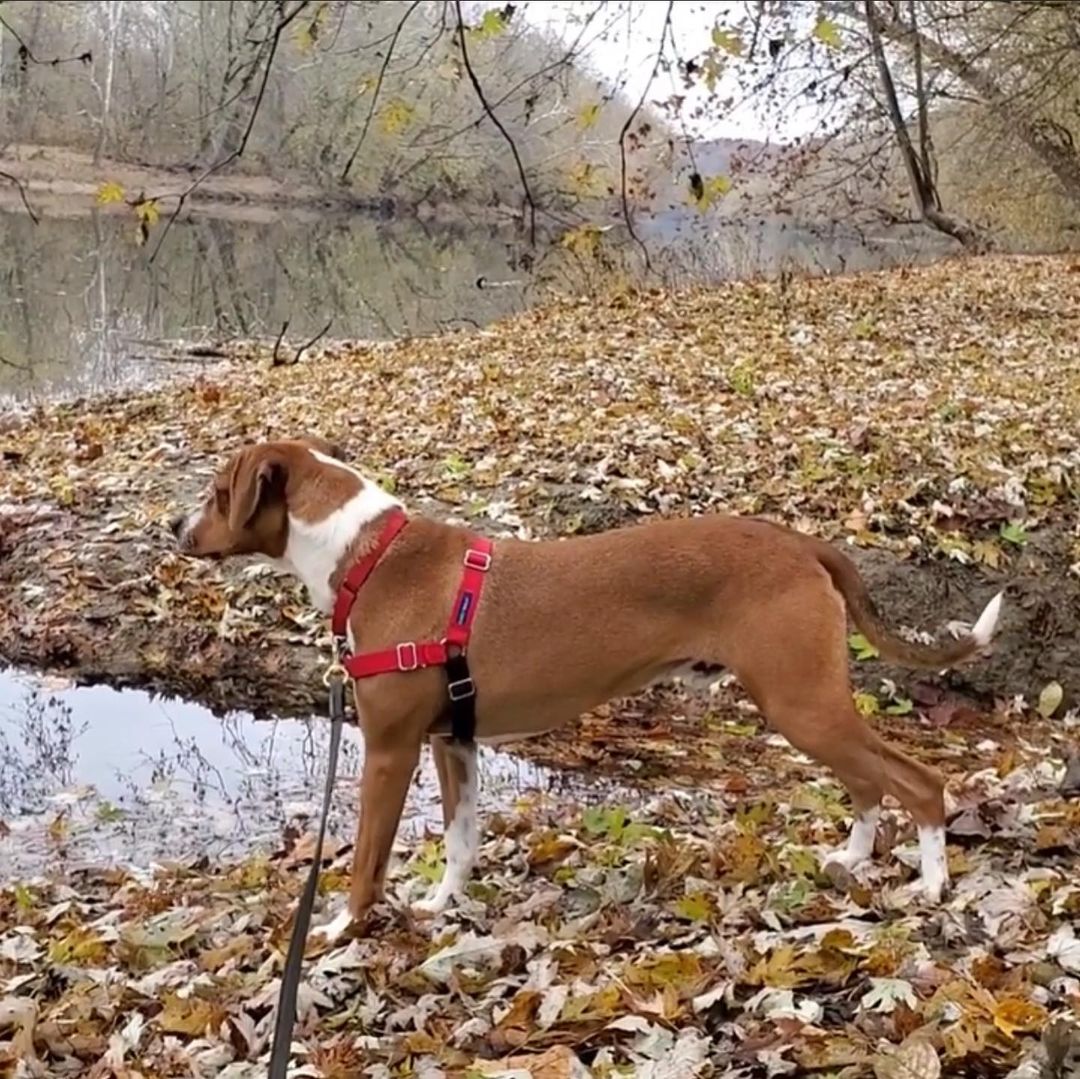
36,752
263,764
86,302
85,299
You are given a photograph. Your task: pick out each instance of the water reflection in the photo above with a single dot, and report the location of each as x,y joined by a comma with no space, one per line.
95,776
79,296
80,301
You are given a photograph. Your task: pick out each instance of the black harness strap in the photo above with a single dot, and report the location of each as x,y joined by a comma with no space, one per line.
461,690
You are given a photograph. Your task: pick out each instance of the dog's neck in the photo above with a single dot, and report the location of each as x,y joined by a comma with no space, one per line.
316,550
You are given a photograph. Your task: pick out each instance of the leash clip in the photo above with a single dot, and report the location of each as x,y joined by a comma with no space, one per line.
335,669
334,672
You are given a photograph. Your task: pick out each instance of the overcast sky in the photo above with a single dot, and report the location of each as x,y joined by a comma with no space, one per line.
625,52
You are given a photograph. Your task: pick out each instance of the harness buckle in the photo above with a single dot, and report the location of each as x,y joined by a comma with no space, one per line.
408,656
461,690
478,560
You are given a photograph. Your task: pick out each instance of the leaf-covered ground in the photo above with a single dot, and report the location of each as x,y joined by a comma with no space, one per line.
674,939
929,417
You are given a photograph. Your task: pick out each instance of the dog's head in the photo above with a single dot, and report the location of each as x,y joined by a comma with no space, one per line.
250,500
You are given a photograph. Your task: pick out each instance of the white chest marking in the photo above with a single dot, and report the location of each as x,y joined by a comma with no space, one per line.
315,548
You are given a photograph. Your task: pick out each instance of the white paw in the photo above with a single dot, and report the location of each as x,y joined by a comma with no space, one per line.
844,859
933,890
434,904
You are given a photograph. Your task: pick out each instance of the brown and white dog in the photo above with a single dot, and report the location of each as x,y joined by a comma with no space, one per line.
565,626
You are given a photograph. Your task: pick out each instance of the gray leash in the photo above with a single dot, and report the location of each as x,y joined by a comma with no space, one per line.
294,960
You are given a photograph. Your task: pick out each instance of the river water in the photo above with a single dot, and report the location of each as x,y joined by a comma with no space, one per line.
81,304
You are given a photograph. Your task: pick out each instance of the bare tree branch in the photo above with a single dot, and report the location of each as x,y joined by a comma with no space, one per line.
26,53
925,154
275,358
1061,160
378,88
21,188
496,121
307,344
665,31
922,185
272,45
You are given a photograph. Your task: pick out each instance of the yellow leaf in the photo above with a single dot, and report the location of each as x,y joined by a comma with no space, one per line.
396,116
712,68
186,1015
988,553
588,115
866,704
694,908
1050,699
81,946
705,190
583,241
586,179
1013,1014
366,84
828,33
148,212
307,33
110,191
727,40
492,24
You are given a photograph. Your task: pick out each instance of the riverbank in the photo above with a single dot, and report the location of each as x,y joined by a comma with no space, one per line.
64,182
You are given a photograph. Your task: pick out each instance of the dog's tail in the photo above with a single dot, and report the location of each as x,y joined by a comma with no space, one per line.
850,585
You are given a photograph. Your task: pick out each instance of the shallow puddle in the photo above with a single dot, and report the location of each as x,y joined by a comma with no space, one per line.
92,776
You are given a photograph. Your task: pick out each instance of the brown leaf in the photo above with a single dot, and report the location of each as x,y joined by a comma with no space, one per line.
914,1060
558,1062
192,1016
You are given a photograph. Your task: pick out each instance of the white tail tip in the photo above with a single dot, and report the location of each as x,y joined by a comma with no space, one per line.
983,630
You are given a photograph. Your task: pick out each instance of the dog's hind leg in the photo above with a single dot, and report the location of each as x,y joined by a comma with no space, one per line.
448,778
797,673
457,767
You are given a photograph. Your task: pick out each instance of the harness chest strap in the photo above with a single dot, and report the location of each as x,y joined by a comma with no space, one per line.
416,655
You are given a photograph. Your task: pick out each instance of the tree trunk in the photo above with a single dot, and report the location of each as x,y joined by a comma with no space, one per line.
923,190
114,14
1061,160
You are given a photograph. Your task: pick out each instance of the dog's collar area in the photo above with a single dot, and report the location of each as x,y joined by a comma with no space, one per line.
406,656
361,571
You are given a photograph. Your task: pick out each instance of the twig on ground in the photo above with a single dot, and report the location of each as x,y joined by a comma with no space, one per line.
307,344
275,359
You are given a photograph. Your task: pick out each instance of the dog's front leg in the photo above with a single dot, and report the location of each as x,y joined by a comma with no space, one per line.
388,771
456,766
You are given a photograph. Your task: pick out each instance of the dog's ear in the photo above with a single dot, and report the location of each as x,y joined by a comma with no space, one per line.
255,472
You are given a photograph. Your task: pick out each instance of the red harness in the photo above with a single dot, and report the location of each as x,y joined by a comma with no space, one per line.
415,655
